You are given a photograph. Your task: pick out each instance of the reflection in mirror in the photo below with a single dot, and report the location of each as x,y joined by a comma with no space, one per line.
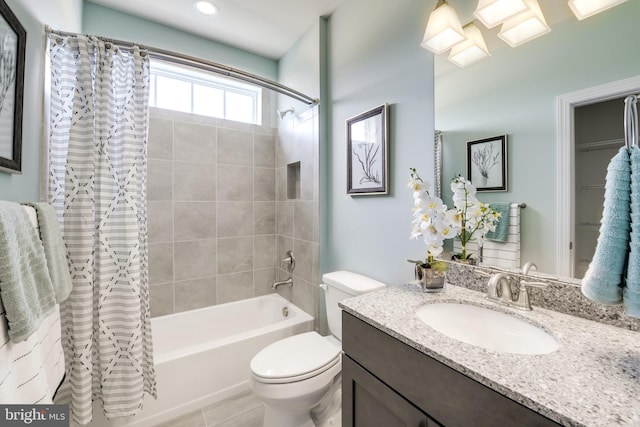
515,92
589,120
598,130
437,170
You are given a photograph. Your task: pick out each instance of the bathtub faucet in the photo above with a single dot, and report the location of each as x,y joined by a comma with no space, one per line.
288,282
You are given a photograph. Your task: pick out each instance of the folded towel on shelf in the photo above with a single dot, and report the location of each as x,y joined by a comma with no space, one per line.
631,291
501,233
604,278
25,286
54,250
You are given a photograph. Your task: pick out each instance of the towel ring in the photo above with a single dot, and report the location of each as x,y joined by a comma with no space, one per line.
630,121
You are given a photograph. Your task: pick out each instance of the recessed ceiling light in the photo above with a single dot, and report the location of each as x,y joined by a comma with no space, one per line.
205,7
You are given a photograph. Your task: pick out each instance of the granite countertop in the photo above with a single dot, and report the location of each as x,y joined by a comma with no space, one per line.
592,380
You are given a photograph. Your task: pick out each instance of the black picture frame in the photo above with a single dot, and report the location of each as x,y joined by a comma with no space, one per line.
367,152
487,163
13,39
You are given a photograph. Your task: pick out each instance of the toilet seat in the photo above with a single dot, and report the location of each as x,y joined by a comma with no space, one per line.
295,358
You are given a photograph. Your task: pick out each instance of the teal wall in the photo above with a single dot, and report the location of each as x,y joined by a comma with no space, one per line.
515,92
299,68
102,21
374,57
32,14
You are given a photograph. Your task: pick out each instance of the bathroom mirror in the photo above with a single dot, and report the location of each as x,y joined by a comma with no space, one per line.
515,91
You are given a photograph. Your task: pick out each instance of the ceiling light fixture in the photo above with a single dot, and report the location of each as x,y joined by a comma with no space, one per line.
443,29
494,12
525,26
586,8
471,50
205,7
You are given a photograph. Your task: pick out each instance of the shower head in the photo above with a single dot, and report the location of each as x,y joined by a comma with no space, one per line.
282,114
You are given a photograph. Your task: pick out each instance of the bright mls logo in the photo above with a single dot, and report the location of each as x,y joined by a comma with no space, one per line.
34,415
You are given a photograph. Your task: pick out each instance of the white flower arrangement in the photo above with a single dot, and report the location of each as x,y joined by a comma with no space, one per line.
471,218
434,222
429,217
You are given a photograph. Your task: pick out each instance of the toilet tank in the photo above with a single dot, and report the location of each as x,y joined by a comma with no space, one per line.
340,285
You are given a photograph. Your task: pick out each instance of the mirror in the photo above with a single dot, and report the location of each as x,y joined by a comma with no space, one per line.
515,92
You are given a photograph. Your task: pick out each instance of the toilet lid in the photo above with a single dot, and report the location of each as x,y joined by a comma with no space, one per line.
295,358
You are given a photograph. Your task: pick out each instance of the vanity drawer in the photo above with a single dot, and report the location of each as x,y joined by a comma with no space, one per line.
446,395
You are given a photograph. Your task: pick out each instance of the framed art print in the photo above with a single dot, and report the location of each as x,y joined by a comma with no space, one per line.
487,163
12,53
367,146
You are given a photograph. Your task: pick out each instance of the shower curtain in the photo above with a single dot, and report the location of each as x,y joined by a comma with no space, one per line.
97,183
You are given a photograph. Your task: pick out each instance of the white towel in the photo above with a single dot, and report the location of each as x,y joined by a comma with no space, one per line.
31,370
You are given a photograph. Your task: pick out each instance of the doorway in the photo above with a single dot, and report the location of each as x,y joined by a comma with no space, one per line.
590,131
599,134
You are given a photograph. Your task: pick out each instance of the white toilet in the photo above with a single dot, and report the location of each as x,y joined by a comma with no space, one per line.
297,373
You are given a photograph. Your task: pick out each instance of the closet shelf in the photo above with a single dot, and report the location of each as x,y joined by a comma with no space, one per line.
600,145
588,226
591,187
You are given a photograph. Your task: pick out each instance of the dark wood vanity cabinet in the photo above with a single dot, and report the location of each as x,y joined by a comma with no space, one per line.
388,383
373,403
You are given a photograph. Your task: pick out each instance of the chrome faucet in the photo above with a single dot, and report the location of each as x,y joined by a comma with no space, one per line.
289,262
288,282
527,267
499,282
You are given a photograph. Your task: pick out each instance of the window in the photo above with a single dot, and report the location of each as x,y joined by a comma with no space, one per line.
181,88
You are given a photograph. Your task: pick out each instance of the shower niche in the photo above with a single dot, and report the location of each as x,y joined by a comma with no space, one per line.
293,181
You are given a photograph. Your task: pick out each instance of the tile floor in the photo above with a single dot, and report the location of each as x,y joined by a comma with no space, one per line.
242,410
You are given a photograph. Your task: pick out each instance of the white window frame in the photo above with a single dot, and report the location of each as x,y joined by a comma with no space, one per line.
195,76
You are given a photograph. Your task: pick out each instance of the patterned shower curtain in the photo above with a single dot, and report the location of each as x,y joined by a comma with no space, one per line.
97,184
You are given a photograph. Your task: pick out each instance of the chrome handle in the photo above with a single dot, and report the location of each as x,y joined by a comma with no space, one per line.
482,273
523,302
289,262
534,284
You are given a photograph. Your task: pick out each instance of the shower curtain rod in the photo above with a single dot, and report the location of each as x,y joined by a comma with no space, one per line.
203,64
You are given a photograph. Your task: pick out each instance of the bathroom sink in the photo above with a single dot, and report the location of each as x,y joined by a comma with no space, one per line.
486,328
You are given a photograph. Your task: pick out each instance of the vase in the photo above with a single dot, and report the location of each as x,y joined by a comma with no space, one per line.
430,279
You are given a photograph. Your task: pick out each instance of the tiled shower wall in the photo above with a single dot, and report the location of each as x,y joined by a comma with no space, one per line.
297,148
219,220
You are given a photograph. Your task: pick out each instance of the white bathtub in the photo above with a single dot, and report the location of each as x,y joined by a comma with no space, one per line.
202,356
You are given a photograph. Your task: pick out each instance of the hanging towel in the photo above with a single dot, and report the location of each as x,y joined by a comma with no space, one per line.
54,250
501,233
631,291
25,286
31,370
603,280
